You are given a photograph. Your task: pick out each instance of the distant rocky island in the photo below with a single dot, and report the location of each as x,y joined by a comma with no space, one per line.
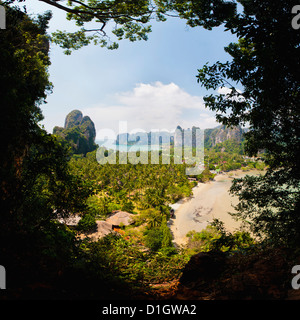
79,132
211,136
221,134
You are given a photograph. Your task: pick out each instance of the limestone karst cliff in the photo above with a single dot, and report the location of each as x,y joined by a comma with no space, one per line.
211,136
221,134
79,132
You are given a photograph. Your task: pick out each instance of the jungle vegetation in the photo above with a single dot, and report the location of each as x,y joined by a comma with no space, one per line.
40,178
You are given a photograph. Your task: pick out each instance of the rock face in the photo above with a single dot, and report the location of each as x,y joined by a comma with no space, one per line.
221,134
225,133
73,119
79,132
219,276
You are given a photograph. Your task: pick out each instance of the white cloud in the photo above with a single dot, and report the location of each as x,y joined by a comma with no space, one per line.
153,106
227,91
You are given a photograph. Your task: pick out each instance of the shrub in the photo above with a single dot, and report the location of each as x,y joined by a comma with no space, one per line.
166,236
205,176
228,242
87,223
201,241
153,238
128,206
259,165
98,206
112,206
216,238
174,193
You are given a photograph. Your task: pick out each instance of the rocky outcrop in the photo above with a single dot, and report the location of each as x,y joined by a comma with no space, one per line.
200,271
79,132
73,119
260,275
221,134
226,133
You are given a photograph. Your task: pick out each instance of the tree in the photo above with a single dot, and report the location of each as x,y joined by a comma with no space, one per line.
24,82
35,178
166,235
154,218
153,238
87,223
265,63
36,184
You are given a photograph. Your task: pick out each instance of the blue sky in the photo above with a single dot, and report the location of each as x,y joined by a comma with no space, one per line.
150,84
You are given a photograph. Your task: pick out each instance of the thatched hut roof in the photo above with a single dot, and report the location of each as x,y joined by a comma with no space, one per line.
103,229
121,217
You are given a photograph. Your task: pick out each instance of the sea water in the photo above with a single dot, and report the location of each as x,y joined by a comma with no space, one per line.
111,145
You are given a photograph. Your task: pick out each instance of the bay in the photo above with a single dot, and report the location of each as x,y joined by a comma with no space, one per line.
111,145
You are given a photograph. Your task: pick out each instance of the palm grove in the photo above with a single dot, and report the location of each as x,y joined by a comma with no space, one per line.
38,180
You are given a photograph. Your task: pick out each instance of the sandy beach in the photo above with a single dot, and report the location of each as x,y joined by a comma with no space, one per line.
209,201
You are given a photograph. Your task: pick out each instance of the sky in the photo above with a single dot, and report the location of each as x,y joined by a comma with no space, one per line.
150,84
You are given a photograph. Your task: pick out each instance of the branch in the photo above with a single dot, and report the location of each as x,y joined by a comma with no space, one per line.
130,18
83,4
59,6
171,15
78,12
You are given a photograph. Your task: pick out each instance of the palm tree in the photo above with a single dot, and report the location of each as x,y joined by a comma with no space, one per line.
154,218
